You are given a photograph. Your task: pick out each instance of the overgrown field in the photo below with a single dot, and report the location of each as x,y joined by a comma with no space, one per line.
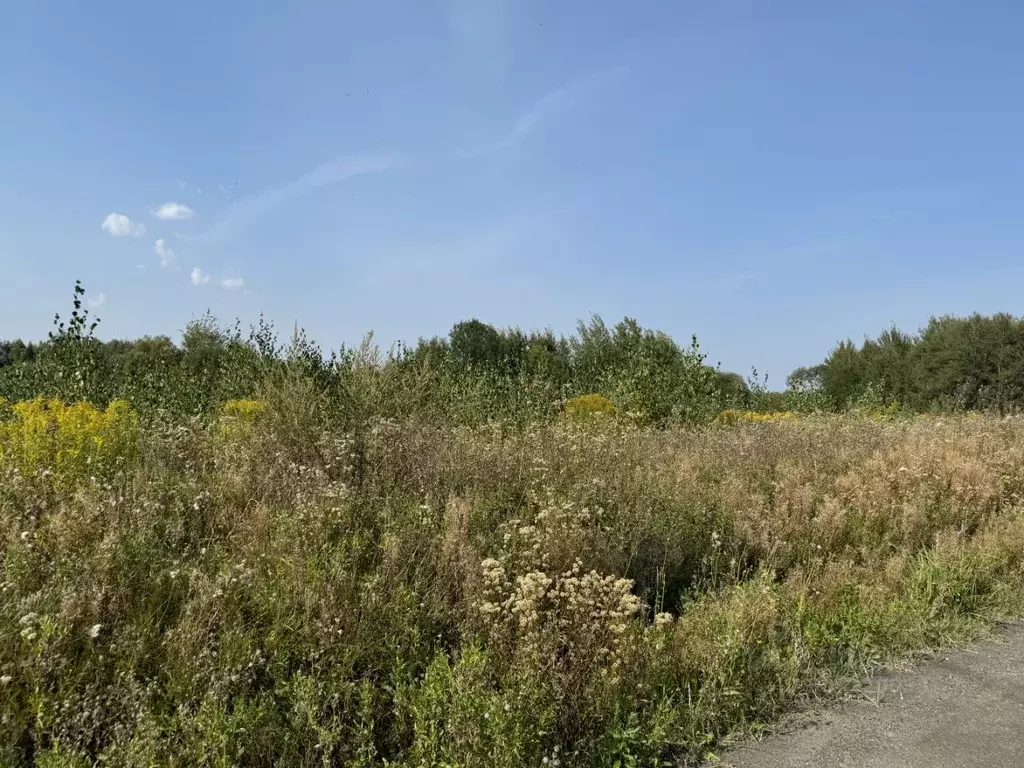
268,587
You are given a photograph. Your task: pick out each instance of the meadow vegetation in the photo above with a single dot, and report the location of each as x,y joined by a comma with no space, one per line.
464,554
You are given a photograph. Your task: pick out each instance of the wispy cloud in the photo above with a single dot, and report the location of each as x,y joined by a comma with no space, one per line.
198,276
167,256
246,210
97,301
531,119
119,225
243,211
232,283
560,99
173,211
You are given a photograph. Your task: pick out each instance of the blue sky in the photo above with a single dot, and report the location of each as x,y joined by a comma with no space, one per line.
772,176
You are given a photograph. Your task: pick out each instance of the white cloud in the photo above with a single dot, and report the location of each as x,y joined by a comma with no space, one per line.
120,225
98,300
232,283
199,277
174,211
141,267
167,256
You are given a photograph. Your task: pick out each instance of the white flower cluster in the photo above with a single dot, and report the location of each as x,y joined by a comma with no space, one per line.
575,618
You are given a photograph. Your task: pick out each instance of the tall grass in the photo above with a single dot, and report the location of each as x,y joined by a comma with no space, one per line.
293,583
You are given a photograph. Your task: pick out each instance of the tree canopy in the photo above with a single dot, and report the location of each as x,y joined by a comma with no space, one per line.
953,363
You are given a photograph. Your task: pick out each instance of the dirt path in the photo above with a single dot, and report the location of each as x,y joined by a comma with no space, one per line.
960,710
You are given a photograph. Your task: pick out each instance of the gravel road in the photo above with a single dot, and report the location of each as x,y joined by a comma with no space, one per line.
961,709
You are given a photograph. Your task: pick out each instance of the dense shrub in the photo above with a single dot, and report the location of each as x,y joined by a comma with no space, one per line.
589,407
68,442
732,416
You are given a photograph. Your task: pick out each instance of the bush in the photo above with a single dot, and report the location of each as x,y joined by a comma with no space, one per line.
730,416
244,410
588,407
69,442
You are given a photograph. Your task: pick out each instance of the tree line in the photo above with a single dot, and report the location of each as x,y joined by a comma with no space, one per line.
952,364
476,373
479,373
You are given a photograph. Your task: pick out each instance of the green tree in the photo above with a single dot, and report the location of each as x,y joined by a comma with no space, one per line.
68,364
844,375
